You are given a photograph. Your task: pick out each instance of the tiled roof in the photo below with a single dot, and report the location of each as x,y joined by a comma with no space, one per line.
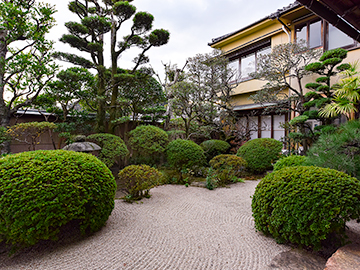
274,15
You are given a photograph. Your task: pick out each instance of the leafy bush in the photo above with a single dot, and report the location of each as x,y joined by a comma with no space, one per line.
112,147
139,179
41,191
227,168
339,150
149,143
185,154
213,148
290,161
30,132
305,204
260,154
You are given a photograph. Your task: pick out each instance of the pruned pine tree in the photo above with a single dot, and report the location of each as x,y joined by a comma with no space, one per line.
88,36
98,18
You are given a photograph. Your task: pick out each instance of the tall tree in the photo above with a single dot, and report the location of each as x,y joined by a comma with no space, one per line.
119,12
88,36
96,20
205,91
26,65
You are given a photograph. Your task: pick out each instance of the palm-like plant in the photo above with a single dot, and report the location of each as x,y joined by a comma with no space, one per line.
346,96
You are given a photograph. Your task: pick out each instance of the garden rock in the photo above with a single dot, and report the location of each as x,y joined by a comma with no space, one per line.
345,258
298,259
82,147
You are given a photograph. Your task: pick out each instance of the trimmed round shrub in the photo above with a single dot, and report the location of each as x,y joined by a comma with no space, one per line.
339,150
139,179
148,142
213,148
185,154
228,168
260,154
112,147
41,191
290,161
305,204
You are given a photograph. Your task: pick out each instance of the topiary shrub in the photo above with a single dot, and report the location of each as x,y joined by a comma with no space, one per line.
228,168
112,147
339,150
290,161
185,155
149,143
305,204
139,179
260,154
213,148
41,191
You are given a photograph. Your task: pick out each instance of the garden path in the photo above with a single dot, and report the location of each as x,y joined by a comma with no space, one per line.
177,228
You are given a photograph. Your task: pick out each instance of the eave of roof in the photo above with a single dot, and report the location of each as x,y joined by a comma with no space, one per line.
274,15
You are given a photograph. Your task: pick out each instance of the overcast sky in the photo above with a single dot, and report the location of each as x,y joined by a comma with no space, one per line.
191,23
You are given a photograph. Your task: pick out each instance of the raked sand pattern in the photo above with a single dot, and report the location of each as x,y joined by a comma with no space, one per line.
177,228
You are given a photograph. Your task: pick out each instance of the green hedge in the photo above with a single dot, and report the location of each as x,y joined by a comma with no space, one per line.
214,148
339,150
112,147
228,168
149,143
305,204
40,191
185,154
260,154
290,161
139,179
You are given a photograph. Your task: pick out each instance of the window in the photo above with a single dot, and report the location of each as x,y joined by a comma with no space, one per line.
310,33
245,63
338,39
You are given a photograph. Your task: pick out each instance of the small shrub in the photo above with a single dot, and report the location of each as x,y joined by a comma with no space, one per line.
228,168
260,154
139,179
289,161
41,191
305,204
112,147
213,148
148,141
185,155
338,150
211,179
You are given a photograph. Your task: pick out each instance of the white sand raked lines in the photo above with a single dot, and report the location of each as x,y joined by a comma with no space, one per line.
177,228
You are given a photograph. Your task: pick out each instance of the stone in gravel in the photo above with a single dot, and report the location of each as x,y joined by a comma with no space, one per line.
345,258
297,259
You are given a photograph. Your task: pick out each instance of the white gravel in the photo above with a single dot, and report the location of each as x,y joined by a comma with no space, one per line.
177,228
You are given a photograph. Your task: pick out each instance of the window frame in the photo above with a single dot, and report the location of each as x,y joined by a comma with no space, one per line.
247,53
307,24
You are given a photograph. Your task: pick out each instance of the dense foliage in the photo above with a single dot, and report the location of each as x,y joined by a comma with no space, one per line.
305,204
339,150
260,154
148,142
185,154
139,179
213,148
290,161
228,168
41,191
112,147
